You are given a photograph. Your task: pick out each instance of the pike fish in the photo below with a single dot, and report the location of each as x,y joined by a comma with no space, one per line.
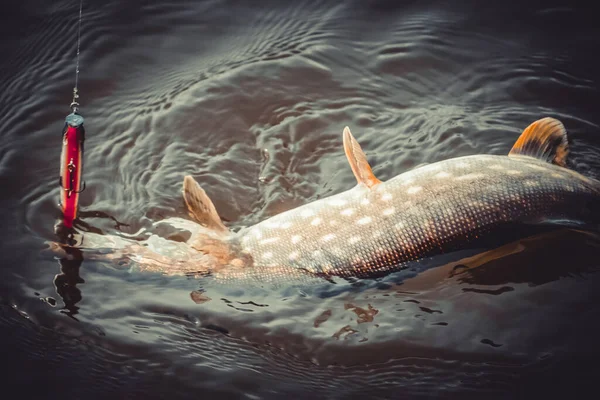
379,227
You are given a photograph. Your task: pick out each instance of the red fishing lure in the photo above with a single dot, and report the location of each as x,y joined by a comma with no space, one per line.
71,165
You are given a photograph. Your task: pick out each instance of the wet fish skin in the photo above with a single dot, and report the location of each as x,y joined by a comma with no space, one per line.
433,209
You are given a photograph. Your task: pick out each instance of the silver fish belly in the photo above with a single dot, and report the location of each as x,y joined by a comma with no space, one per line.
430,210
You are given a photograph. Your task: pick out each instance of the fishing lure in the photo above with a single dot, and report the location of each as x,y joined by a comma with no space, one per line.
71,165
71,159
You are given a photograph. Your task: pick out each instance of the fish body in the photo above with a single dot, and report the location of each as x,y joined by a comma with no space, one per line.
378,227
430,210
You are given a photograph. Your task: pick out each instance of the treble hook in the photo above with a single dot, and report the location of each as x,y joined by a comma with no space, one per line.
71,168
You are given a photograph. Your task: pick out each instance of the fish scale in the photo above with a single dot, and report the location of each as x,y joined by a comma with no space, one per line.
421,213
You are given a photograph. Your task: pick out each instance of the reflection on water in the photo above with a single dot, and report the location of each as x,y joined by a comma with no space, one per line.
66,282
251,100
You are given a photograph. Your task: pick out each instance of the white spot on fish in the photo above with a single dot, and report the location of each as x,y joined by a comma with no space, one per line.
286,225
538,167
414,189
333,222
256,232
386,196
469,176
293,255
272,224
268,255
377,234
389,211
337,202
365,201
296,239
431,167
354,239
316,253
307,213
348,212
513,172
531,183
269,240
399,225
364,220
245,239
328,237
316,221
442,174
408,181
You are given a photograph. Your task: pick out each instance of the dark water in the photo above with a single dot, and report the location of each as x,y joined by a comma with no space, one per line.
251,100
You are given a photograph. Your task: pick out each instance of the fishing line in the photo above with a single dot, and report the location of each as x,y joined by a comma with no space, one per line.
75,102
71,159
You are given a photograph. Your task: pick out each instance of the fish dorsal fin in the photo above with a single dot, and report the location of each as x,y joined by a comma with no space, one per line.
200,207
358,161
545,139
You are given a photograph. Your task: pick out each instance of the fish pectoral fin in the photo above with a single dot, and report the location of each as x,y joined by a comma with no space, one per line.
545,139
358,161
200,207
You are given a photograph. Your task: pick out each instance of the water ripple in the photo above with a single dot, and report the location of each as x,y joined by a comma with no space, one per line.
251,101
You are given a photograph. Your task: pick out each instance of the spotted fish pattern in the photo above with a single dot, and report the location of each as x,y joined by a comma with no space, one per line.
378,227
423,212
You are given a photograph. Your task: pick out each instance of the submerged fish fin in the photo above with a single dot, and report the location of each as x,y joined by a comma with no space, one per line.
200,207
358,161
545,139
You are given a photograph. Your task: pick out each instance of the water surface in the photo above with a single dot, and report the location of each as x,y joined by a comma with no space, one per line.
251,101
